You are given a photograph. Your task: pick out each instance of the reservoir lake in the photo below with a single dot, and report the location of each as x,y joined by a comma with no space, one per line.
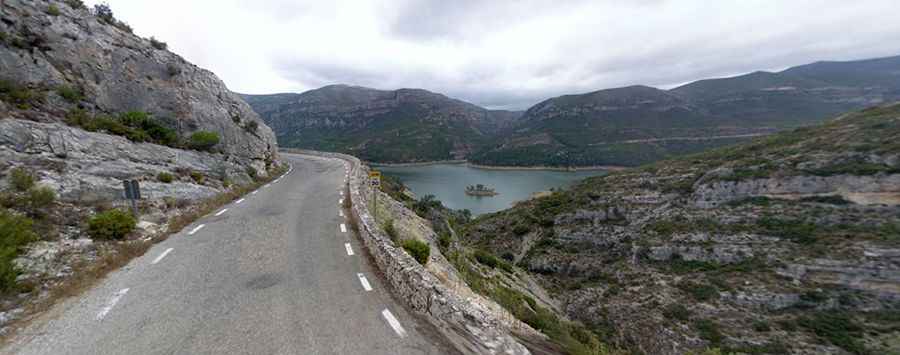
447,182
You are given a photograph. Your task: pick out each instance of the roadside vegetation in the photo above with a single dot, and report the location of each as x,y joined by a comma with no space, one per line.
140,127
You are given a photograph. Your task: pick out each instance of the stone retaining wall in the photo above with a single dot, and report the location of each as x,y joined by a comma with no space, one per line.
472,328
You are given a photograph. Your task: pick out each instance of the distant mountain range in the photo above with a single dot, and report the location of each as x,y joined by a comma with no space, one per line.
622,126
405,125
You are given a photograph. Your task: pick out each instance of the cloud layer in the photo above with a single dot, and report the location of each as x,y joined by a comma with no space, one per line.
507,54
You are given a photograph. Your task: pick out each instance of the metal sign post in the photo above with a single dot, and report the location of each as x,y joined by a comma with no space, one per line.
132,193
375,183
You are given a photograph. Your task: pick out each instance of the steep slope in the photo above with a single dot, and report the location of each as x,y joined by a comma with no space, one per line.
84,105
405,125
786,244
635,125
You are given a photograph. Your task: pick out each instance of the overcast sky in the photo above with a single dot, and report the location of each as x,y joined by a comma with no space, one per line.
507,54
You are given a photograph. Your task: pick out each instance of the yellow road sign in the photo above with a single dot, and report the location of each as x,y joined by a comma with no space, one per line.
375,174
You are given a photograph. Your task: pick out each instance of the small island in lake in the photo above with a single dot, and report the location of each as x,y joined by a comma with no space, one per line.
480,190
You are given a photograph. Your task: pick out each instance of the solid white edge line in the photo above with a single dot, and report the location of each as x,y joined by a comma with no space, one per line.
341,201
365,283
341,213
394,323
343,228
349,249
161,256
196,229
221,212
112,303
239,201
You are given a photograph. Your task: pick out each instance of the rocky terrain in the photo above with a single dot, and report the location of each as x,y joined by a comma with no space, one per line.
636,125
399,126
786,244
86,104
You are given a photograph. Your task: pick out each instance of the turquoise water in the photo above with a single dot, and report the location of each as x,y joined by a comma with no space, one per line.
447,182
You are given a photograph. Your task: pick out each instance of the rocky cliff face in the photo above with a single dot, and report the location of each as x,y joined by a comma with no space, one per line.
387,126
84,105
787,244
106,69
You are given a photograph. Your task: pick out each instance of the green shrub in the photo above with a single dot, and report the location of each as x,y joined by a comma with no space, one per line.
419,250
699,291
41,197
709,331
389,229
251,172
53,10
165,177
204,140
21,179
110,225
21,96
486,259
677,311
15,233
70,94
197,176
761,326
251,126
521,229
158,44
444,240
75,4
796,230
837,328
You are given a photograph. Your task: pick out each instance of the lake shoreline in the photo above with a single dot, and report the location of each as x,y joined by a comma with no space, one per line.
500,167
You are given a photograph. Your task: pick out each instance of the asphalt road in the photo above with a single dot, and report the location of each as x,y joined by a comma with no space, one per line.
271,275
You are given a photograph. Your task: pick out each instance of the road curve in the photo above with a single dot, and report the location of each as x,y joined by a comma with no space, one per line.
271,275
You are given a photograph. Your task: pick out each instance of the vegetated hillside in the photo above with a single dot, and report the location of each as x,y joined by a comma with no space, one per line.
636,125
405,125
785,244
86,104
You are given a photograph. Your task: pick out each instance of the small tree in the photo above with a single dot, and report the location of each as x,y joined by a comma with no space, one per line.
204,140
158,44
40,198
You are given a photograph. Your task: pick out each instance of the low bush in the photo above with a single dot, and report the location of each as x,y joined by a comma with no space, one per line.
165,177
389,229
204,140
419,250
197,177
15,233
251,126
53,10
21,96
40,198
796,230
70,94
111,225
75,4
699,291
676,311
137,126
837,328
761,326
709,330
158,44
21,179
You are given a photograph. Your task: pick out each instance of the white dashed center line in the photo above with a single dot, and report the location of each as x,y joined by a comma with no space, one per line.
394,323
364,282
343,228
196,229
221,212
349,249
161,256
239,201
112,303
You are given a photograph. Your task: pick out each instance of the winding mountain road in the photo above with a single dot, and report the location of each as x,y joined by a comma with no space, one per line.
273,273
